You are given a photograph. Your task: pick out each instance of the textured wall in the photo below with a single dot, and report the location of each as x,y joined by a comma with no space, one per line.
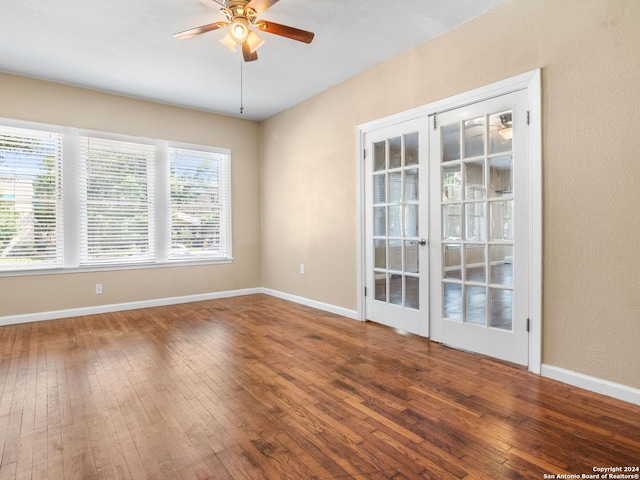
588,53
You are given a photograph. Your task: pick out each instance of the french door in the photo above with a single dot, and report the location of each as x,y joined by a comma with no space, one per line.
480,227
396,226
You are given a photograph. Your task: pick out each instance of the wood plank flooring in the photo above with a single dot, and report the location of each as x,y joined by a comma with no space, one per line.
259,388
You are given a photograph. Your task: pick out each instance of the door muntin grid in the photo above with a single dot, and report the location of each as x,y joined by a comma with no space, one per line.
396,229
477,196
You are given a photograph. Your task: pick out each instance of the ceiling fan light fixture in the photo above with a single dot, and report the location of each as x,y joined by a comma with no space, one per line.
229,42
239,30
254,41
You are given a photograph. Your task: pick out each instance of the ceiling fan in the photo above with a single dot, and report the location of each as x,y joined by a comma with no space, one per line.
241,15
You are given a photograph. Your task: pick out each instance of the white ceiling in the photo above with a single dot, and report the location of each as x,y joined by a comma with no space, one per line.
126,47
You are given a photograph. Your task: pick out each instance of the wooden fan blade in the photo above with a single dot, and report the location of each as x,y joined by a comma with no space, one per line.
285,31
248,55
198,30
261,5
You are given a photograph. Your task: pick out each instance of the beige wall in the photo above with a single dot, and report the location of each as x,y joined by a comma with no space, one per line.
33,100
588,52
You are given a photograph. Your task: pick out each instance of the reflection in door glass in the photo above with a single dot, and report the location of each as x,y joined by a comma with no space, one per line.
381,287
476,305
411,263
474,131
379,189
395,289
475,222
380,253
451,183
475,263
452,305
501,222
411,185
501,264
411,220
451,142
379,156
411,149
501,309
500,176
395,152
500,132
413,291
395,187
452,261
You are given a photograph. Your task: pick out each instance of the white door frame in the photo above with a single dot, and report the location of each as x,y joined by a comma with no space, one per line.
529,81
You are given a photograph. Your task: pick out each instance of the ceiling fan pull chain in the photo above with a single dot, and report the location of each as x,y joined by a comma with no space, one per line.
241,106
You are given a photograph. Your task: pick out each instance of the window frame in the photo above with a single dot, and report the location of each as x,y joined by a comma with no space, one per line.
69,245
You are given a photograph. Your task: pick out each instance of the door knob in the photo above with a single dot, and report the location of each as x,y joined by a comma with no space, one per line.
422,242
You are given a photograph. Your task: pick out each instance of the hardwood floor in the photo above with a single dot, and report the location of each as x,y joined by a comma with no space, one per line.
256,387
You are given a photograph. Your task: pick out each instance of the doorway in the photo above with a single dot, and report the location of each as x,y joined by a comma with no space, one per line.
478,236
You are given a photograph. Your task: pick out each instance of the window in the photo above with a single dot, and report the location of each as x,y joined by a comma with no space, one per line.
128,201
199,203
116,190
30,216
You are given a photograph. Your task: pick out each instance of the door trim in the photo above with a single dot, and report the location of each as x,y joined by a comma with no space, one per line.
529,81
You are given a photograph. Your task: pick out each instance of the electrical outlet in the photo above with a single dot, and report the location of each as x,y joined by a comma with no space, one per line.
302,269
98,289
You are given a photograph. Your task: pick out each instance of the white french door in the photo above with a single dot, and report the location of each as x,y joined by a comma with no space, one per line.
396,226
480,227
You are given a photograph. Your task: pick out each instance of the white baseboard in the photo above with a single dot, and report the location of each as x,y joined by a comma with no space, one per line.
593,384
345,312
118,307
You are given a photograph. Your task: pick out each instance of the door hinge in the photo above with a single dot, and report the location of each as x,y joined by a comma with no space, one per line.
364,154
365,291
435,121
528,118
528,325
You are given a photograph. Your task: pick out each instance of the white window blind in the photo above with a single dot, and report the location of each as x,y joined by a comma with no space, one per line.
30,198
200,204
116,192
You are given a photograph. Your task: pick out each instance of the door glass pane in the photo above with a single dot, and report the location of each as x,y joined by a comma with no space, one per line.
501,132
475,264
501,264
395,152
501,309
411,149
395,187
451,142
379,189
451,183
379,156
411,257
411,220
501,221
500,176
451,222
381,286
475,222
452,304
474,180
380,253
411,185
413,291
379,221
474,132
476,305
395,289
452,261
394,221
395,255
